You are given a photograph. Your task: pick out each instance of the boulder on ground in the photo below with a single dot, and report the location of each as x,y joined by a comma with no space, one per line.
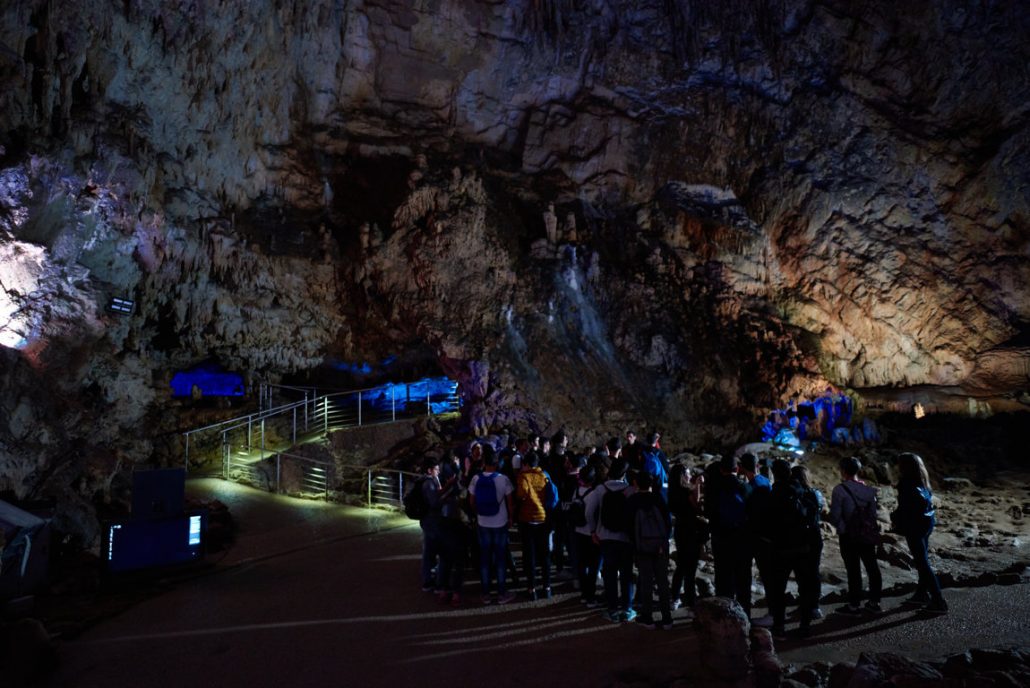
876,668
723,630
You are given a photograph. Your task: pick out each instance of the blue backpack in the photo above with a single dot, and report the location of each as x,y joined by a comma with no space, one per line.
550,496
487,503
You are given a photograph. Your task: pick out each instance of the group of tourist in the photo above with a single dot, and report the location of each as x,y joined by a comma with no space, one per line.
623,507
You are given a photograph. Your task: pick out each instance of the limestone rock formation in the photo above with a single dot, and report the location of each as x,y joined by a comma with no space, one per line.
595,214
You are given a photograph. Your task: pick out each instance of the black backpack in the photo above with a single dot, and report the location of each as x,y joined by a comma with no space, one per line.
577,511
861,524
414,501
650,533
800,517
614,513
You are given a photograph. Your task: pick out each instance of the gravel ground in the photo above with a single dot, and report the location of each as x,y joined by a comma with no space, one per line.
326,595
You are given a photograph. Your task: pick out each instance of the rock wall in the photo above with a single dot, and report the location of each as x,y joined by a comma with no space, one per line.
593,213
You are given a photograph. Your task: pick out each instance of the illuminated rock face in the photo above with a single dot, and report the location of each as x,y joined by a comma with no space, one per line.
674,214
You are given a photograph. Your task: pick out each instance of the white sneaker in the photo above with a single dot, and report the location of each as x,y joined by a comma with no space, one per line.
763,621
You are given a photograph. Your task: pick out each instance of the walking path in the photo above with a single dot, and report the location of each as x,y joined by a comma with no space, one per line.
320,594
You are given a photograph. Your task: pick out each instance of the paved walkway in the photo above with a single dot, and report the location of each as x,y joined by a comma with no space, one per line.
326,595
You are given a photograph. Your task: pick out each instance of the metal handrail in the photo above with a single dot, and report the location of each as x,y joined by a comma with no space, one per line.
369,472
262,415
271,411
248,421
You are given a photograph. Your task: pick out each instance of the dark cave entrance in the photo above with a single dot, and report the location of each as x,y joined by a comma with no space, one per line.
411,382
404,364
367,190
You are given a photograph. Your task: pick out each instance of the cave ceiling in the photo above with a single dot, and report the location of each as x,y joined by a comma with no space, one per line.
590,213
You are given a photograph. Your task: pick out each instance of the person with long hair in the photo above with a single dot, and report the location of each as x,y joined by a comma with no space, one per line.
811,560
914,519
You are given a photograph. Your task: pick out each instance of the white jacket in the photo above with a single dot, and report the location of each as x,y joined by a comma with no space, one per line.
593,509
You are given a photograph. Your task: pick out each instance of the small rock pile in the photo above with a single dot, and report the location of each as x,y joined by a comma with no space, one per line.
732,653
983,668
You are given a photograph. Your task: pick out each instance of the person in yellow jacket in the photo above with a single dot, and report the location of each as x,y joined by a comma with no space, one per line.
531,483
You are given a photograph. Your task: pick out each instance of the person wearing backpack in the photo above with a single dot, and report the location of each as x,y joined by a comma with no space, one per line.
424,500
915,519
454,532
530,498
588,552
555,464
490,494
690,533
759,547
654,461
791,524
563,528
813,559
853,514
608,519
650,535
725,498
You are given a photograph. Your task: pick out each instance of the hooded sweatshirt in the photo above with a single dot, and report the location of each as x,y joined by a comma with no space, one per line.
529,493
593,509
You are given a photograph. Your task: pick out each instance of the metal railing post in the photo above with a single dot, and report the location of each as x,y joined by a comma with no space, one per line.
369,473
295,425
187,452
325,415
393,403
359,409
249,421
305,411
225,457
262,439
278,472
400,488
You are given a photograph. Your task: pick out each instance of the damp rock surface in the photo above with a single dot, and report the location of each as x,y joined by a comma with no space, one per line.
591,215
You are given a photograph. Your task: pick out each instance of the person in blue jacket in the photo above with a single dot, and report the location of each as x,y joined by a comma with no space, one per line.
914,519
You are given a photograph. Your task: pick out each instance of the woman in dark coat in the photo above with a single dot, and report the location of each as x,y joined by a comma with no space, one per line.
690,533
915,518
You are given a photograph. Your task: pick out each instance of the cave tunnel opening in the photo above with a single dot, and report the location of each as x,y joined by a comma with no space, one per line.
281,230
208,379
367,190
13,146
411,377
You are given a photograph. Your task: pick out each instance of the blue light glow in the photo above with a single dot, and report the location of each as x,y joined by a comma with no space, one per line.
364,368
823,418
401,397
211,381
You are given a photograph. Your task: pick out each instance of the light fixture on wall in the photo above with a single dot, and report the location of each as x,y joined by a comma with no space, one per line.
119,305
